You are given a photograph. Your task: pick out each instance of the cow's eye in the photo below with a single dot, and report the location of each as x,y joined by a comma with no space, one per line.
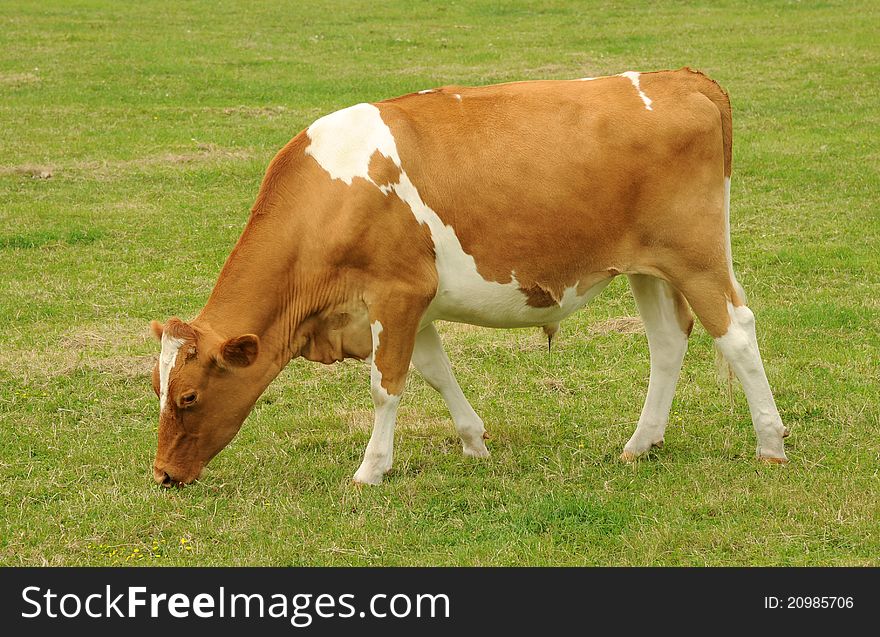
188,398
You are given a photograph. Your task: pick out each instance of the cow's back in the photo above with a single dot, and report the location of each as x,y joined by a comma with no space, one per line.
550,185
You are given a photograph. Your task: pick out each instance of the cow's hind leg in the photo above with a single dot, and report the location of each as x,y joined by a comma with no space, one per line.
432,362
719,305
394,330
668,324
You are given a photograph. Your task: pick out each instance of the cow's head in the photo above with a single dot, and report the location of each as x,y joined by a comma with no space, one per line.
206,386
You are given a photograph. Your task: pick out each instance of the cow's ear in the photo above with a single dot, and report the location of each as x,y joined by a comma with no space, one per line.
157,328
240,351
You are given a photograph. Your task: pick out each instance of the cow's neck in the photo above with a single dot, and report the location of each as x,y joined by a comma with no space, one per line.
262,291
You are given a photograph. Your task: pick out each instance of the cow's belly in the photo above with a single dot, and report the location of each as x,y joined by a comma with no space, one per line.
466,297
502,305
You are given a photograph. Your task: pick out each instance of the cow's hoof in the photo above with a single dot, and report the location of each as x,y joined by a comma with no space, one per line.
476,451
366,475
632,456
773,460
785,432
360,482
476,448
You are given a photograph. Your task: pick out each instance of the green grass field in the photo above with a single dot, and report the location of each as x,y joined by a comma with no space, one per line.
133,137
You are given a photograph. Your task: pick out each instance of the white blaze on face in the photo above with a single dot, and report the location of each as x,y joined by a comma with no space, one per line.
633,77
343,143
167,358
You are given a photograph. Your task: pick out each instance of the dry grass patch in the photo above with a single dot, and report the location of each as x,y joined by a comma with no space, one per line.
268,112
618,325
206,153
34,171
18,79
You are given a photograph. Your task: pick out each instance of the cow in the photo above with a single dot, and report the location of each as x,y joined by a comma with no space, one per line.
510,205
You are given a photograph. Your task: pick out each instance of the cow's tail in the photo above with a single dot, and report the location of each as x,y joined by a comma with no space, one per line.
718,96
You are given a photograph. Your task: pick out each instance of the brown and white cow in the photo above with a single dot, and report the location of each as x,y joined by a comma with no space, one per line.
503,206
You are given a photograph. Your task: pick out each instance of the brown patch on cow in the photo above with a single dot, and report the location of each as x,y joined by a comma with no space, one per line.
383,171
537,296
175,328
618,325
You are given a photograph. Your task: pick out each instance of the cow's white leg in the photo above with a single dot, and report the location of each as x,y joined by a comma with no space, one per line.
380,450
667,325
740,348
431,361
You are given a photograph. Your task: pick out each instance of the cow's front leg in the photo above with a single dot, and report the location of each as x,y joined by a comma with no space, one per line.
432,363
393,339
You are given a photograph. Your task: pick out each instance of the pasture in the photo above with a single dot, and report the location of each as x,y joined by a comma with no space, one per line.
133,137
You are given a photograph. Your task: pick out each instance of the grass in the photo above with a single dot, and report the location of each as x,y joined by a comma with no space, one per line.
133,137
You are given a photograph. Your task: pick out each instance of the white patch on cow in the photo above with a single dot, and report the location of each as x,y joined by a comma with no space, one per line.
633,77
343,143
167,358
587,79
375,372
457,96
379,454
465,296
427,90
739,345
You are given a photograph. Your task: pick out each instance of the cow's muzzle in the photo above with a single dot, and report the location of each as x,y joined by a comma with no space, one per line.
162,478
166,478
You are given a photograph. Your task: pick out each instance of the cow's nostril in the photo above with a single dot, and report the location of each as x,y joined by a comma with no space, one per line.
162,477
